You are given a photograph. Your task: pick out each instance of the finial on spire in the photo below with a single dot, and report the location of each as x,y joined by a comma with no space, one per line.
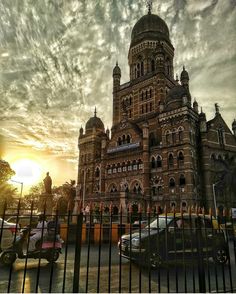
149,6
116,63
95,112
177,78
217,108
183,67
201,110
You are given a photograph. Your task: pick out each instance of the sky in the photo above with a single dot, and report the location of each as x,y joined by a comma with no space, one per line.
56,61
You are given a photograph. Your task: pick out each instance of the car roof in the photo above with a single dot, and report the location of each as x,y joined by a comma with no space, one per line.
186,215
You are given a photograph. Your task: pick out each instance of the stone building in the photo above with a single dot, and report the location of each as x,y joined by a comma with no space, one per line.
160,147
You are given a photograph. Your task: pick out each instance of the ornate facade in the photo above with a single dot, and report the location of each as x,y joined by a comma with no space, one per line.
160,147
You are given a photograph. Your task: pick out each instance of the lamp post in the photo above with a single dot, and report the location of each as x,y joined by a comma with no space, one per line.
214,194
21,189
214,197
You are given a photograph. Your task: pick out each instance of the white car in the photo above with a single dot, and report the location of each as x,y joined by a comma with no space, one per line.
7,231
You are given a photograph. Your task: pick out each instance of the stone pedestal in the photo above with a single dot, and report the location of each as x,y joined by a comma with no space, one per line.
46,204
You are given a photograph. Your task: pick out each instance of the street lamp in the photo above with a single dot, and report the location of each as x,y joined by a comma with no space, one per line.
21,189
214,194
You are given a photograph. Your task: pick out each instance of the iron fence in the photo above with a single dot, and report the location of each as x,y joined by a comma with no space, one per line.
142,251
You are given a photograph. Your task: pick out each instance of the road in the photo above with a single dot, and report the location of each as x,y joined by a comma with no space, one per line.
182,277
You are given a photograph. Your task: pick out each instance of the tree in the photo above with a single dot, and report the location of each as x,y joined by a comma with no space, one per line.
7,191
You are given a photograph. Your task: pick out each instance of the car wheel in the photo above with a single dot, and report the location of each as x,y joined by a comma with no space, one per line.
221,255
155,260
52,256
7,258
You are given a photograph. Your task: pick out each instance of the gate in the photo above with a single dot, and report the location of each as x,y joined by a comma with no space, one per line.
187,251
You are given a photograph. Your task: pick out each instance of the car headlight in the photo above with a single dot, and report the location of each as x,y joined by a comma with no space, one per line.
135,242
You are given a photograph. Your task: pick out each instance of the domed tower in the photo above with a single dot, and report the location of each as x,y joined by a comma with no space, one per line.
148,34
90,151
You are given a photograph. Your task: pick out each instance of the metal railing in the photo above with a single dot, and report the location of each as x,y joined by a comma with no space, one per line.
141,251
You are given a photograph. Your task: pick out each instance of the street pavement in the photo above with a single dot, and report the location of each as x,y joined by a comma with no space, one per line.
126,276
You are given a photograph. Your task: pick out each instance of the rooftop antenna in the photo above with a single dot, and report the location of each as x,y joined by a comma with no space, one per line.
149,6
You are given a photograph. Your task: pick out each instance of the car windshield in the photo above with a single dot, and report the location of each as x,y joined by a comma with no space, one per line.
160,223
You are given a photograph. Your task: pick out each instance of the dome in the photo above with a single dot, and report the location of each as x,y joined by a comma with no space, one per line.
150,26
94,122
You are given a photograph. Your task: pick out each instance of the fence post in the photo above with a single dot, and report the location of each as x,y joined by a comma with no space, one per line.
78,241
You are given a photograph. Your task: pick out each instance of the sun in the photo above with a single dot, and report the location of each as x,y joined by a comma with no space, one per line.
27,171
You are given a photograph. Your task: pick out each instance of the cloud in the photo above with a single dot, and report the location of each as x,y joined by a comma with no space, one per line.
56,60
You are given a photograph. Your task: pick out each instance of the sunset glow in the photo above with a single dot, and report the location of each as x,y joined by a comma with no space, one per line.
27,171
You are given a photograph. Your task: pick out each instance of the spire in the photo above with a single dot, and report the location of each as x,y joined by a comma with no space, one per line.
149,6
177,78
116,63
217,108
95,112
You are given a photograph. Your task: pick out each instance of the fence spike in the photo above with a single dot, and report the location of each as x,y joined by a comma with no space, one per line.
101,207
224,212
111,207
120,208
165,210
210,211
148,209
189,210
139,208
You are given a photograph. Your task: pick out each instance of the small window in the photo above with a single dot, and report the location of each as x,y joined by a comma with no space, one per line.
172,183
153,163
159,161
171,161
182,181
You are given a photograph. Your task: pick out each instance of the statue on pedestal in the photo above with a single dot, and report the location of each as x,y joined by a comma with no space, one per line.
48,184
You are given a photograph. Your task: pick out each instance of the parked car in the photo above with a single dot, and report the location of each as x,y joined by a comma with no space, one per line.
25,220
7,231
174,236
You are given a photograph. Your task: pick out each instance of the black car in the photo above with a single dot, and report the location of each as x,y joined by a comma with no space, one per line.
176,236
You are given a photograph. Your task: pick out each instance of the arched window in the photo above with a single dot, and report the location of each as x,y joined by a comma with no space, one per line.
138,70
159,161
124,168
181,159
152,140
182,181
153,163
150,93
97,172
137,189
174,137
181,134
114,170
119,141
153,65
221,136
171,160
140,164
128,138
109,171
123,139
142,68
129,166
119,168
113,189
168,138
135,166
171,183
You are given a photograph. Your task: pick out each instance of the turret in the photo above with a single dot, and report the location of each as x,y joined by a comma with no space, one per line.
195,105
234,127
202,119
184,78
81,131
116,77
